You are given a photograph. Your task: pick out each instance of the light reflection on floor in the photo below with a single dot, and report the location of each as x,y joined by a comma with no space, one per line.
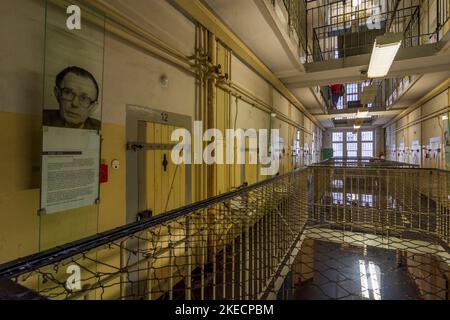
354,273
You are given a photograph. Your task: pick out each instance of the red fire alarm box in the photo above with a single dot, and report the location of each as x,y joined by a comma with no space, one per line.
103,173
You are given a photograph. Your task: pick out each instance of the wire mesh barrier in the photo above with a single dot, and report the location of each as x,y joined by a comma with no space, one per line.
376,233
339,29
296,16
324,232
362,162
228,247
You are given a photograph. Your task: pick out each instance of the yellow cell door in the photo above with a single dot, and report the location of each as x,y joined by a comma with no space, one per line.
162,184
155,184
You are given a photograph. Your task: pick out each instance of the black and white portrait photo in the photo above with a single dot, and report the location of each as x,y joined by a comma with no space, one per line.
71,113
77,93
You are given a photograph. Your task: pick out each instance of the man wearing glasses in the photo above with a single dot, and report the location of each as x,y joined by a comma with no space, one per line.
77,93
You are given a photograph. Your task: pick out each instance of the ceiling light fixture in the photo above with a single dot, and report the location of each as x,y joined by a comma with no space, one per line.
384,51
356,127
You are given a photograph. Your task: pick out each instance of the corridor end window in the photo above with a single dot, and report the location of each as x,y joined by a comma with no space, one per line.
367,149
352,149
338,150
367,136
367,144
338,136
338,146
352,137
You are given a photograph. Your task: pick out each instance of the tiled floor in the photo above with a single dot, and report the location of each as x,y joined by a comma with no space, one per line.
352,273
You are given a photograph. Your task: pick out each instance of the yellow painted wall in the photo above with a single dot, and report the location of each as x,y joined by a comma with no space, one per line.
421,124
131,76
22,229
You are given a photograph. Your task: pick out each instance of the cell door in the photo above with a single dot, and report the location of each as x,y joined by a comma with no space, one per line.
154,183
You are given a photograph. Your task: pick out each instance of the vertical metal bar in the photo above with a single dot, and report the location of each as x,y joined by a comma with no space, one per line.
214,261
233,261
420,199
247,261
250,260
351,200
241,262
188,281
411,209
265,236
378,201
171,266
438,206
123,274
344,196
150,279
202,264
404,195
258,251
394,199
428,199
224,270
388,209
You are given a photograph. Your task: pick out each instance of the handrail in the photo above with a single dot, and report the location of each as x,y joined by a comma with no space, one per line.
365,162
395,19
23,265
244,247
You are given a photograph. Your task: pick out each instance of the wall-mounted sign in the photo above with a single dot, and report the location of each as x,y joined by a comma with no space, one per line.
415,154
70,169
401,152
71,110
71,143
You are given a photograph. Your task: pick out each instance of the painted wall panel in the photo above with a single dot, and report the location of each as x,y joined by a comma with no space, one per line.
248,79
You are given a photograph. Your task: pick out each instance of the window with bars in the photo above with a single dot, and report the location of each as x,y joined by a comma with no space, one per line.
367,200
352,92
338,149
352,149
353,144
338,197
352,137
338,136
367,149
367,136
367,144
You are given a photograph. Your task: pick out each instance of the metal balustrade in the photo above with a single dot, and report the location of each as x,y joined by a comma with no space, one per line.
393,221
339,29
231,246
294,236
296,15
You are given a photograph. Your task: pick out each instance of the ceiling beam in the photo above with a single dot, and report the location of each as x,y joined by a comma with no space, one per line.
415,60
388,113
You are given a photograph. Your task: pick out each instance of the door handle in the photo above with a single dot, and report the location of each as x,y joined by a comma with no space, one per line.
165,162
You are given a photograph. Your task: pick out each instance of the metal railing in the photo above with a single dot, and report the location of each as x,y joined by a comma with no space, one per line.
228,247
388,91
352,97
292,236
337,29
362,162
296,10
398,219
